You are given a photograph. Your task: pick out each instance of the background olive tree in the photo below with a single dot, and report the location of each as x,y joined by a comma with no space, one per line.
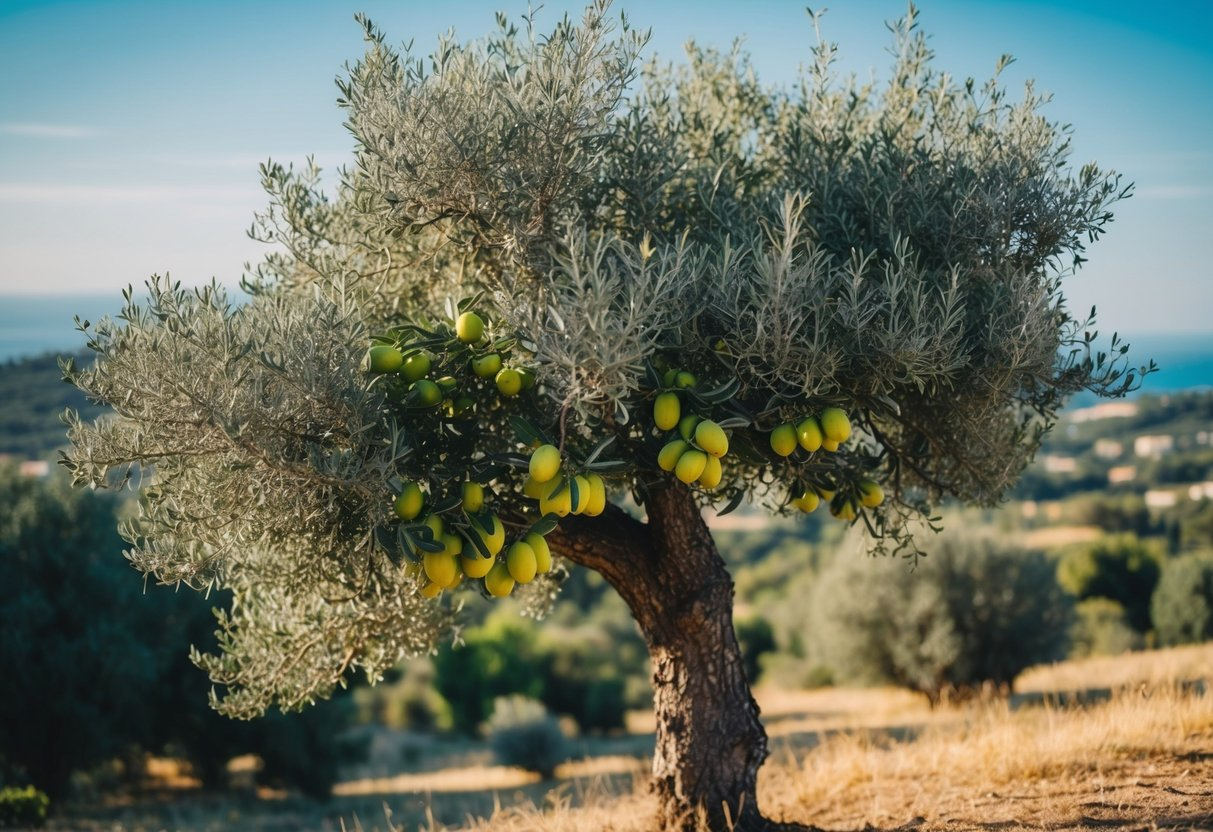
895,251
974,615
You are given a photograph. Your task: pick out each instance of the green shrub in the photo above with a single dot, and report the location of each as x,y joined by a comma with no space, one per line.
496,659
1195,520
406,700
304,750
89,643
105,666
972,615
1182,607
787,670
757,638
522,733
1102,629
583,673
23,806
1120,568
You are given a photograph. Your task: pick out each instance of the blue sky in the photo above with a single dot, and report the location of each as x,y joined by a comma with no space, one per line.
130,132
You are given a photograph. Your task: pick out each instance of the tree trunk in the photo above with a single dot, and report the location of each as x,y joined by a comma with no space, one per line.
710,743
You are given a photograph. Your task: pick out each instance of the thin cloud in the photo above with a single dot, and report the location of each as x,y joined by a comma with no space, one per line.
121,194
47,131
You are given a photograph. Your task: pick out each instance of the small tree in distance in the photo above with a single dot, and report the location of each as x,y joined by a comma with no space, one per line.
649,250
976,614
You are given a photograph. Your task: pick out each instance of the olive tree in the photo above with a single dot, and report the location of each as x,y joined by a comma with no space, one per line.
543,242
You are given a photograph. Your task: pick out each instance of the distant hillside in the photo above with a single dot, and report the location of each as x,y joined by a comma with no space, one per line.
32,395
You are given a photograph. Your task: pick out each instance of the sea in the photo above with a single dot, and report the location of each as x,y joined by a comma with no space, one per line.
35,325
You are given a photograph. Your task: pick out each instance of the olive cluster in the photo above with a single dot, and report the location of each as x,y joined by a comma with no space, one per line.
825,431
694,455
441,544
412,366
453,557
694,446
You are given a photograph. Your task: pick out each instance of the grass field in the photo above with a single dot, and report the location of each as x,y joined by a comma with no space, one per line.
1108,743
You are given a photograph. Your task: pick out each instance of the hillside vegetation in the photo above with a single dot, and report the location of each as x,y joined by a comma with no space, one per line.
32,395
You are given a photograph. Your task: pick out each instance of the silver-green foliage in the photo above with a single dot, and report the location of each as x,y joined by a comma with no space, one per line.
976,612
894,250
522,733
1182,606
267,464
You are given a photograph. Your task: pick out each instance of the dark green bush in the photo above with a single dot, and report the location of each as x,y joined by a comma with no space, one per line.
582,673
406,699
1182,606
305,750
1120,568
104,663
1196,525
757,638
24,807
496,659
80,641
972,615
522,733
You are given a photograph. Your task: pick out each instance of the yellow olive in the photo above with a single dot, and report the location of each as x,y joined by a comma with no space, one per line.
410,501
712,473
807,502
469,328
558,501
474,566
509,382
668,458
835,424
870,493
384,359
808,434
667,410
487,366
543,554
473,497
711,437
439,567
690,465
597,503
499,582
545,463
521,562
783,440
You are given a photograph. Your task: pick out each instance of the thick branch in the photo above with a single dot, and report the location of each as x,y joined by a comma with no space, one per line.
616,545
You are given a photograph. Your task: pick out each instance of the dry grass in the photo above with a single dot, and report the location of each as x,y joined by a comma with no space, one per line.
1150,667
1033,768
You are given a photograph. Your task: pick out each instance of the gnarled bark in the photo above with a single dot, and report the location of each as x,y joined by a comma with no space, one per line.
710,743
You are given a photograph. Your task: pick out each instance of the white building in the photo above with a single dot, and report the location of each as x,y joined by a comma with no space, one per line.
1153,446
1055,464
1161,499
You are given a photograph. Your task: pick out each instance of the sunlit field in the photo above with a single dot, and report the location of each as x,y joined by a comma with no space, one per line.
1120,742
